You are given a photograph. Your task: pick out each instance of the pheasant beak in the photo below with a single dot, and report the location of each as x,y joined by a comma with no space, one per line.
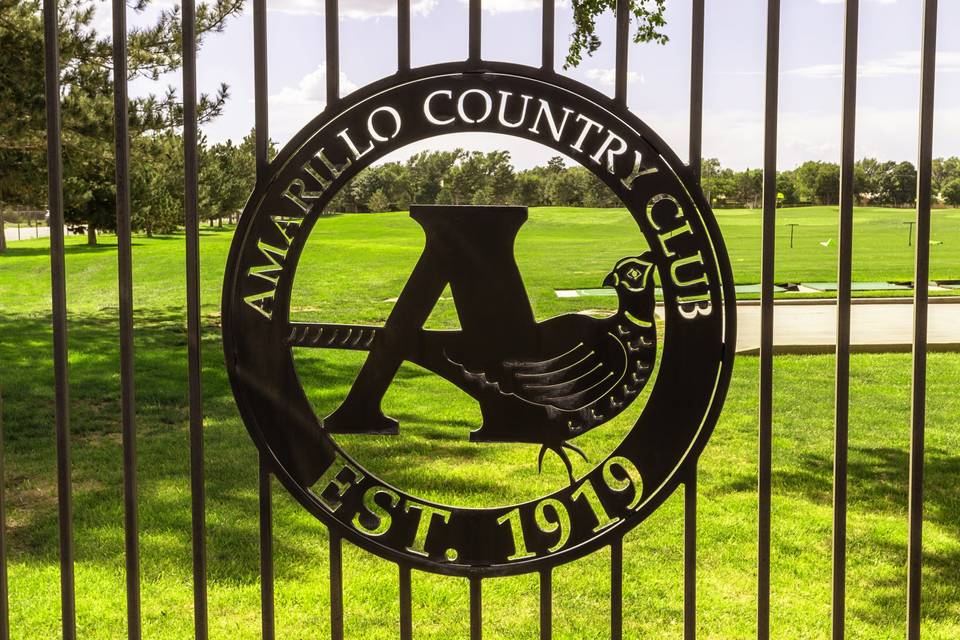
612,279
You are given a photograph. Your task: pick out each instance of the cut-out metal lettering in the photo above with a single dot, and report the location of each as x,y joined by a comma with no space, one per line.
538,381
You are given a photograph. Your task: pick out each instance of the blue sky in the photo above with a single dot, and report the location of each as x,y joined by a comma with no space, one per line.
811,41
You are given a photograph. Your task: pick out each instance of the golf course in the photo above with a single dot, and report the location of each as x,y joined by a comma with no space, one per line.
352,270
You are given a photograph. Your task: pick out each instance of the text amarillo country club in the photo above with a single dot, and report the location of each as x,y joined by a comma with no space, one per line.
488,110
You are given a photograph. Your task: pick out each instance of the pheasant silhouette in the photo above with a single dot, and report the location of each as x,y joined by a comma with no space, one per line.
539,382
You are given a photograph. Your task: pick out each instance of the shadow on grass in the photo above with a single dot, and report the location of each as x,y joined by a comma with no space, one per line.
231,462
13,251
163,472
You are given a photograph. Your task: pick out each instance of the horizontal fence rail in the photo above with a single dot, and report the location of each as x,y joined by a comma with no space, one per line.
767,250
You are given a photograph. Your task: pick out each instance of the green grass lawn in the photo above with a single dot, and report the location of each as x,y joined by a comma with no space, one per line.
353,266
880,250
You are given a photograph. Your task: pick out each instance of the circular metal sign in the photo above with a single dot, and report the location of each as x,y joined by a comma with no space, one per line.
543,383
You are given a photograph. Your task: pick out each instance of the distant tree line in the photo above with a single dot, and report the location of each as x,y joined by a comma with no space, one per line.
228,172
470,177
474,177
876,183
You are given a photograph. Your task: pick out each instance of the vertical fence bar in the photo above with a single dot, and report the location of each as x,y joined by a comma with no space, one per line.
4,593
696,161
476,608
403,35
696,87
476,20
616,589
125,278
548,37
261,108
768,247
844,278
406,603
690,556
264,489
331,18
58,280
336,586
623,50
921,283
195,389
267,614
546,604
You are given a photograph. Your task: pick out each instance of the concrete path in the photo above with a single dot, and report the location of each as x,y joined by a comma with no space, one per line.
809,326
26,233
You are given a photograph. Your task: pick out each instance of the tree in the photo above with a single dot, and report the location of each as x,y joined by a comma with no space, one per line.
595,191
904,184
818,182
395,183
565,188
86,99
787,185
709,170
528,189
886,183
426,170
951,192
944,171
478,178
156,183
225,180
379,202
556,164
648,15
500,178
749,187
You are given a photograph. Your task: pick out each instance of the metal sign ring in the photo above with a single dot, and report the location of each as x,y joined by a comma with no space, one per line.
508,378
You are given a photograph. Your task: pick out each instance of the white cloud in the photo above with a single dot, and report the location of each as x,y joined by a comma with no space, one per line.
900,64
608,77
842,1
358,9
736,137
293,107
513,6
509,6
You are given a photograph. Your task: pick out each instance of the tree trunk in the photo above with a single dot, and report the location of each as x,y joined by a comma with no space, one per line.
220,222
3,235
91,235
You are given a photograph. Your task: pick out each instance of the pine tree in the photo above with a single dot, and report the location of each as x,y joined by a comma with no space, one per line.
86,80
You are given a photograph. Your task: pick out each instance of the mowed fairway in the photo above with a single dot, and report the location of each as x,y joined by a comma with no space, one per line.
353,267
880,249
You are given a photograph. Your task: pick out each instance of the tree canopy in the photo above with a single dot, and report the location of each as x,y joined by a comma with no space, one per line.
647,17
86,80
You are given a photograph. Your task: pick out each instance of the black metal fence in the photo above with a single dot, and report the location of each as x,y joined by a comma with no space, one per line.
766,425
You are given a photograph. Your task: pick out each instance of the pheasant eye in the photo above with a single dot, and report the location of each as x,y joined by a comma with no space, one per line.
633,274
